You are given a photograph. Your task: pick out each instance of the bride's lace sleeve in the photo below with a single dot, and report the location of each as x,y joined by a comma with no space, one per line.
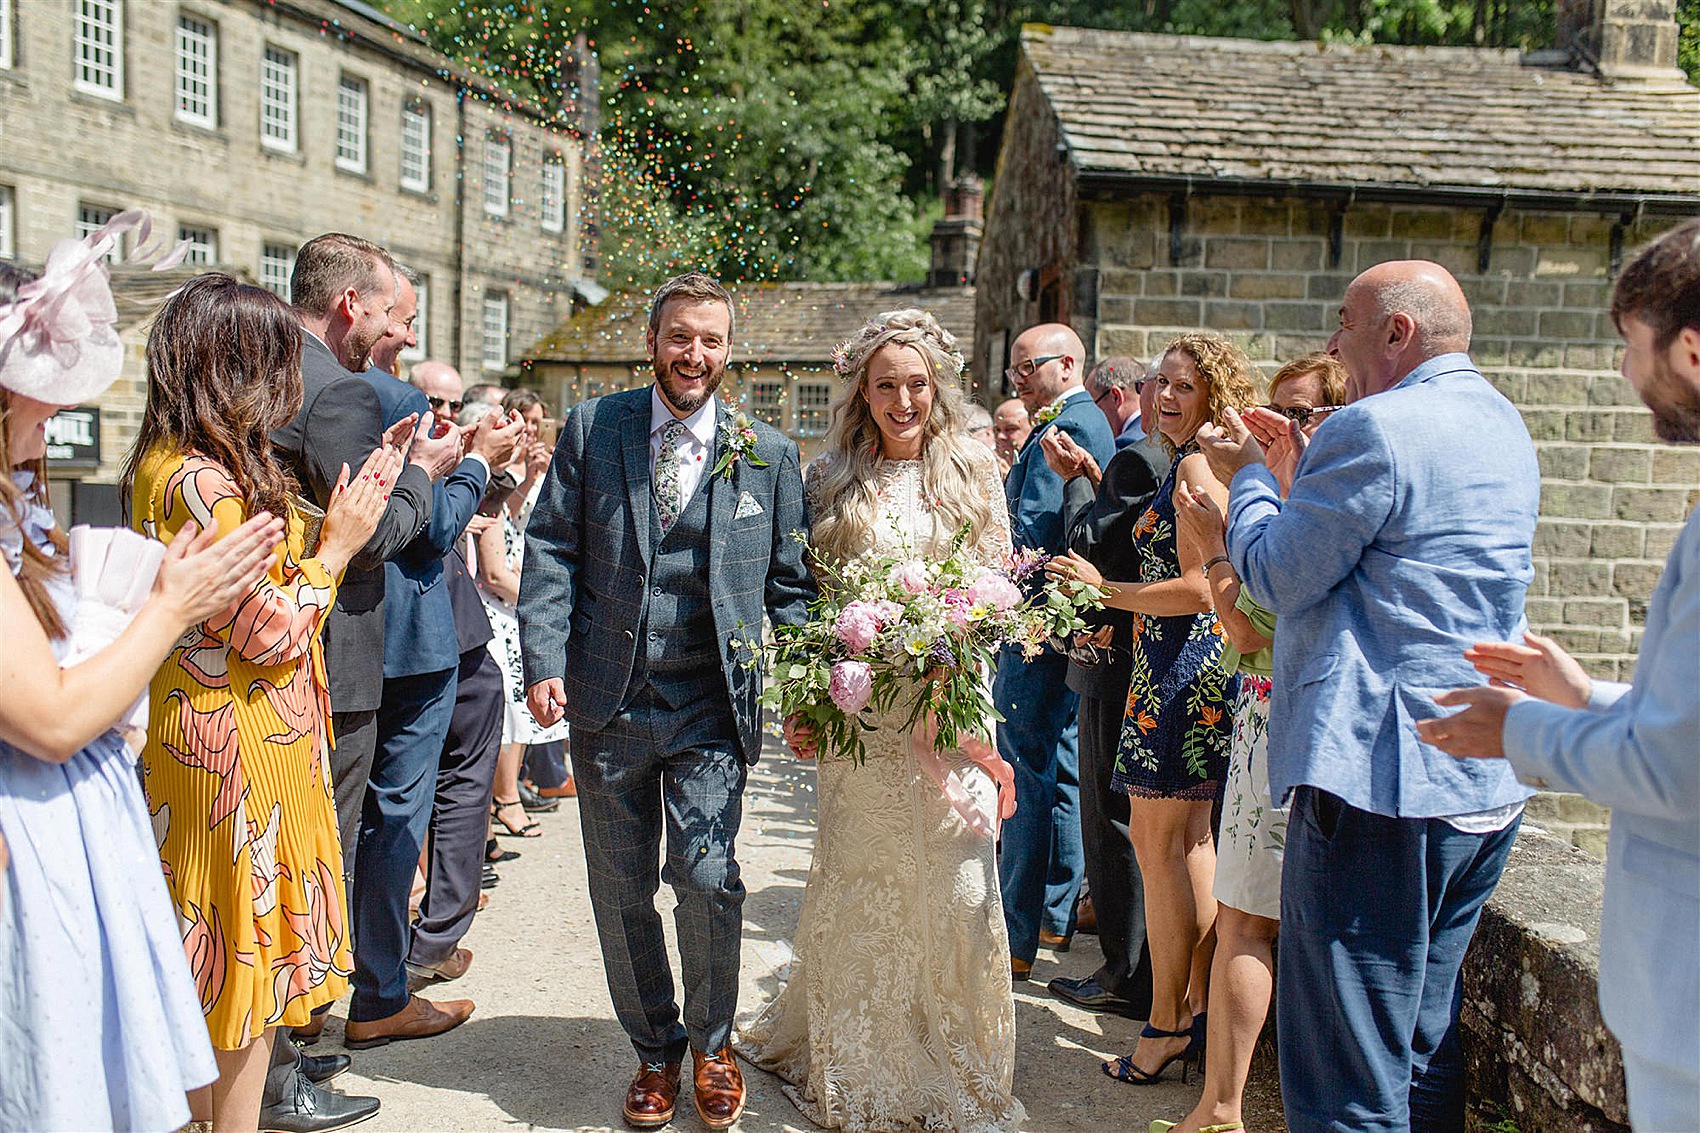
995,545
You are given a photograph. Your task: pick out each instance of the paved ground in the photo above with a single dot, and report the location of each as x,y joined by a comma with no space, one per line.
543,1050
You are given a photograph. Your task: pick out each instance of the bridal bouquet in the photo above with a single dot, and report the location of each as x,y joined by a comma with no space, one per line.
885,624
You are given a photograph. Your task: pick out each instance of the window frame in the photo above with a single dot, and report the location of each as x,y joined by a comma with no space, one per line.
272,55
806,413
190,232
501,302
8,222
775,414
8,47
416,112
354,87
287,260
552,200
81,44
209,37
421,322
495,143
91,218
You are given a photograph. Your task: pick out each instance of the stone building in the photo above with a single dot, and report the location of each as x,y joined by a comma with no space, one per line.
783,333
1153,184
247,126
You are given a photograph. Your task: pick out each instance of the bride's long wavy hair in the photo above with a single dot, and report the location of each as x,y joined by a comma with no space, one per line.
844,481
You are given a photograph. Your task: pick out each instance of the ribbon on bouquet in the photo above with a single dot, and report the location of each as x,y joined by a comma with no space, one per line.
979,753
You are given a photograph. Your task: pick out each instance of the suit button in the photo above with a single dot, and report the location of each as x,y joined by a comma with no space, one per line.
630,636
656,592
653,636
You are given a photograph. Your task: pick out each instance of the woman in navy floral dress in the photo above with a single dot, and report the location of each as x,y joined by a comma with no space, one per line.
1174,745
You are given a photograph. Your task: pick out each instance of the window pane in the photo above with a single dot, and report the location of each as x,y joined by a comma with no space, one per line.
277,263
197,71
277,99
416,148
495,332
5,33
498,160
554,195
813,401
100,47
767,401
351,124
8,221
203,245
91,219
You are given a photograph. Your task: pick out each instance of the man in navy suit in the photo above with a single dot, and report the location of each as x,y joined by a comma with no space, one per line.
1040,861
421,659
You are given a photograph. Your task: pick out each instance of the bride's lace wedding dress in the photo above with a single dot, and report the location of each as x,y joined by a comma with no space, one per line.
898,1012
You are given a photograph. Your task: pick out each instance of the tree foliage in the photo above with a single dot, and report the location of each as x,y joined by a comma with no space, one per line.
770,139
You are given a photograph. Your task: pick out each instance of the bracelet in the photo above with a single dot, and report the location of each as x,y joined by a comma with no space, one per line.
1214,561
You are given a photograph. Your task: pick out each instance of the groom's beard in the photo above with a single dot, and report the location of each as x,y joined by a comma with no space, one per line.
687,401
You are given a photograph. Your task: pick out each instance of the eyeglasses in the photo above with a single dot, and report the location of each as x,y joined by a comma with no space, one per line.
437,403
1303,413
1099,400
1139,386
1028,368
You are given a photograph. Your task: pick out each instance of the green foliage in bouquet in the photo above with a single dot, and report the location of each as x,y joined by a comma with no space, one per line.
898,633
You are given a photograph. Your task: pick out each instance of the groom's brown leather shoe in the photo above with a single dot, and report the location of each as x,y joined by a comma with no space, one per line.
420,1019
651,1096
718,1089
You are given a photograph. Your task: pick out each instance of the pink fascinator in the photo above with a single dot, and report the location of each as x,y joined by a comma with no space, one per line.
59,339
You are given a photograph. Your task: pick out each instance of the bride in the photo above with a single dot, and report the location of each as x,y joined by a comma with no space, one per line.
898,1012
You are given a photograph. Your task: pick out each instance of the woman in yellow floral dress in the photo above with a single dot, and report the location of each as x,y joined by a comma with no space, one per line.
235,769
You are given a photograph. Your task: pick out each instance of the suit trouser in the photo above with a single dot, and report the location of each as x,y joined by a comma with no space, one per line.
412,722
460,814
673,767
351,766
1039,858
1118,894
1376,914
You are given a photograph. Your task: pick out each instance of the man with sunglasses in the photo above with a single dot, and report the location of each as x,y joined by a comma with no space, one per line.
1040,861
1099,512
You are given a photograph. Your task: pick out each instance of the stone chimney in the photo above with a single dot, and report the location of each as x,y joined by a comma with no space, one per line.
1625,39
956,238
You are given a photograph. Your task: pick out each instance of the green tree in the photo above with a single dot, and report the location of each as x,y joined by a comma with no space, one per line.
1688,42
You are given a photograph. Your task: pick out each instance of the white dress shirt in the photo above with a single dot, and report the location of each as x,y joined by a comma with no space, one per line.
693,448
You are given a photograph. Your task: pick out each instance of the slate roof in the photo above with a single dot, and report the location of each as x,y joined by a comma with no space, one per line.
1158,106
774,322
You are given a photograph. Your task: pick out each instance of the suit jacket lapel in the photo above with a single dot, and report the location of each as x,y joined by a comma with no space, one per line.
634,443
722,496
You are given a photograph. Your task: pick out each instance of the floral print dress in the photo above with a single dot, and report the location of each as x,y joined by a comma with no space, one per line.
236,775
1179,718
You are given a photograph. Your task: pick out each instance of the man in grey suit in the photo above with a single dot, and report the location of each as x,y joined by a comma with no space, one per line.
1635,747
664,529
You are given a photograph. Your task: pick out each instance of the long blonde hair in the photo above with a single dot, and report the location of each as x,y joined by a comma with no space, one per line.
844,482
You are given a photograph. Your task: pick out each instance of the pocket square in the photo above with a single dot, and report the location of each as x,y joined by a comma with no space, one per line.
747,506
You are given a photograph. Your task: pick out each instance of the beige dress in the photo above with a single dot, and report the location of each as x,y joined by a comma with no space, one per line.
898,1013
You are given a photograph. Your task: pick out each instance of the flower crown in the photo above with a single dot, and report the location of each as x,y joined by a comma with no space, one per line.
844,357
59,338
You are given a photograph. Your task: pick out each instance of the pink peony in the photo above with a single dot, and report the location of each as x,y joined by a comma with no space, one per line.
911,576
957,603
887,614
857,626
994,590
851,686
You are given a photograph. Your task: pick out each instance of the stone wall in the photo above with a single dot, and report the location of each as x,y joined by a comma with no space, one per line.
1538,1053
1263,272
64,147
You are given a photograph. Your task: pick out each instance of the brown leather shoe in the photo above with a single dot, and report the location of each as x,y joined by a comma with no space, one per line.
1055,943
567,790
1020,971
420,1019
652,1095
718,1089
419,975
309,1034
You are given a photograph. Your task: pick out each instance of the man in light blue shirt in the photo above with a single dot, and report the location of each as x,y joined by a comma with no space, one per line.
1405,538
1634,747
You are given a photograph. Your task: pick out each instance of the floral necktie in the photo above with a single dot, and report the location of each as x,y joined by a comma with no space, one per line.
667,503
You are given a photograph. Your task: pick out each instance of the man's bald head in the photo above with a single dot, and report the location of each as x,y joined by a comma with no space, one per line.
1394,317
436,379
1045,362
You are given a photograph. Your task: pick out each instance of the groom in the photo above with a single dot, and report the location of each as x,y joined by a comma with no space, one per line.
663,530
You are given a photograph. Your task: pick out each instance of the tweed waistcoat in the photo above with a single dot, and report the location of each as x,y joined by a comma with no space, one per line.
678,633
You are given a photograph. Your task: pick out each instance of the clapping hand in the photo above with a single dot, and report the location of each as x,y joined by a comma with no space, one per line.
1283,441
1541,668
537,457
356,506
436,446
1066,458
202,575
495,437
399,436
1228,449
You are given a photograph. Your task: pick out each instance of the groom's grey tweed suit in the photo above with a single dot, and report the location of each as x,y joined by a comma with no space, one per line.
650,635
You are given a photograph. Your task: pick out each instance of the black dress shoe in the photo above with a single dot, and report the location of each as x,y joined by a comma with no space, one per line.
321,1068
1090,994
490,878
308,1109
535,803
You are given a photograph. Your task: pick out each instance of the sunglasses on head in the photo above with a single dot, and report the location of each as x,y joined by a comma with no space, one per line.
437,404
1303,413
